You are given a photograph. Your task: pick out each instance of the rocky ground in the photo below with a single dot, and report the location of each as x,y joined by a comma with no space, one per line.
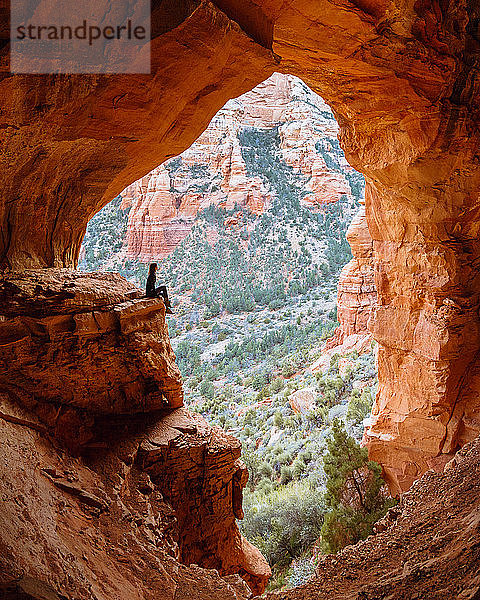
428,547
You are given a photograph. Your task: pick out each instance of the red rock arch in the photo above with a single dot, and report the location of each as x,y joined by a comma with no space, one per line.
402,78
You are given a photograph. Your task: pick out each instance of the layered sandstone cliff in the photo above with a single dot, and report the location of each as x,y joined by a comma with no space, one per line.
357,294
164,203
75,343
107,482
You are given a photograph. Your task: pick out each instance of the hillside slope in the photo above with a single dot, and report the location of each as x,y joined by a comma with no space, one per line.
427,547
249,229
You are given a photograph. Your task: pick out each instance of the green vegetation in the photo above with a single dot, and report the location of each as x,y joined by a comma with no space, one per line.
283,523
354,494
253,306
104,237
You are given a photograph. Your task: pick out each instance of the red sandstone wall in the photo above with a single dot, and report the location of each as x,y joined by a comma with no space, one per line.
357,294
164,206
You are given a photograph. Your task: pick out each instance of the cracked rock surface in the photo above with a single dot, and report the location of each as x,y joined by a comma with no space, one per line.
109,487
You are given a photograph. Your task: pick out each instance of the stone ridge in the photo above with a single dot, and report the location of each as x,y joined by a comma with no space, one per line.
42,292
84,344
164,202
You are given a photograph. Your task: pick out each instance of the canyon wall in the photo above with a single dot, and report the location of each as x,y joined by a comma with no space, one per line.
213,171
357,295
403,81
107,469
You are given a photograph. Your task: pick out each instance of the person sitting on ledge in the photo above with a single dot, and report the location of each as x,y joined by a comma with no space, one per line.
157,292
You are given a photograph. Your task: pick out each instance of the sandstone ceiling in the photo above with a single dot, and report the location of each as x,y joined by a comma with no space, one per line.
400,75
402,78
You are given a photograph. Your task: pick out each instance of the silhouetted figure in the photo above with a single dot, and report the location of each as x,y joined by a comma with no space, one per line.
157,292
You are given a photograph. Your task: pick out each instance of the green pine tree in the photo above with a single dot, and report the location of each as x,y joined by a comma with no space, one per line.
354,494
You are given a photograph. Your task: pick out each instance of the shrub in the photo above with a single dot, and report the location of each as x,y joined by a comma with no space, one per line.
284,523
265,469
277,385
193,382
283,459
360,406
265,486
207,390
278,419
286,474
354,492
258,381
299,466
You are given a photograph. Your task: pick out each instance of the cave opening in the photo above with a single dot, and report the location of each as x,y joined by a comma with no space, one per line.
402,78
249,229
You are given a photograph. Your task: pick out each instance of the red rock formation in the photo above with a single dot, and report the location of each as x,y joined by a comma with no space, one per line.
52,124
116,481
209,533
85,341
402,78
302,401
99,526
356,289
213,171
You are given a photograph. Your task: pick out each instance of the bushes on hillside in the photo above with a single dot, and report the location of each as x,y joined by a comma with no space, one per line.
355,494
284,523
360,406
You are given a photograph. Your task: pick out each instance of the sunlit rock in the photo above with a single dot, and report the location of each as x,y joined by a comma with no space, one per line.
213,171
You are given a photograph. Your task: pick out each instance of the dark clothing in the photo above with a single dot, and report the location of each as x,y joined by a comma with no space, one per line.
157,292
151,292
161,290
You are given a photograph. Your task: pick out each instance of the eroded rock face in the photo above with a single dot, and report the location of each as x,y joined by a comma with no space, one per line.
100,526
182,455
75,343
108,131
213,171
110,485
357,294
402,79
302,401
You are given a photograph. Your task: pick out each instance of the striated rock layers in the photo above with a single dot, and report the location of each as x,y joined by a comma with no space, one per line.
185,455
110,488
356,290
91,343
165,202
